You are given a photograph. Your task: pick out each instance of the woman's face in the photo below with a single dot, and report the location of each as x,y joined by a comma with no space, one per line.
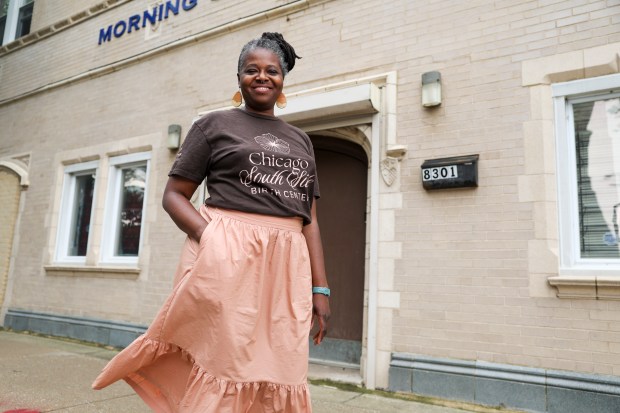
261,81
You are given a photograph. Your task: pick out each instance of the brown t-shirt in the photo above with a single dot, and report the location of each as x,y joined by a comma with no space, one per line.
253,163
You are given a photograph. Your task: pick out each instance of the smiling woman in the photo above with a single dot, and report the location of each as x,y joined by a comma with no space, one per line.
233,335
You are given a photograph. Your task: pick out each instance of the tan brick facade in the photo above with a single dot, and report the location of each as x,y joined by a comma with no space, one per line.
460,273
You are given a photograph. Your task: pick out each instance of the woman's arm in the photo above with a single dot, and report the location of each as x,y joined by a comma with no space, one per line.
176,202
319,279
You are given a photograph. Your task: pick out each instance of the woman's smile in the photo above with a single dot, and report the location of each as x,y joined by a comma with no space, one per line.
262,89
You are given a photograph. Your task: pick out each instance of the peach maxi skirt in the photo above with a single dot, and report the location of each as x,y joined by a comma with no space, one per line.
233,334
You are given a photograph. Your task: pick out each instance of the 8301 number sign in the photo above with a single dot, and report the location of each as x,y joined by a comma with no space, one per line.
441,172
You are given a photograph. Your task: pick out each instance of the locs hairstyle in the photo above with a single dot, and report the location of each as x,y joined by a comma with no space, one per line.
274,42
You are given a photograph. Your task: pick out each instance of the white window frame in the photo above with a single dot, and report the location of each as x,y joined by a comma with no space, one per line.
564,94
12,15
112,206
66,210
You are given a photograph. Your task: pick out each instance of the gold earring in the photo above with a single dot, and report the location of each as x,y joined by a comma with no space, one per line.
237,99
281,102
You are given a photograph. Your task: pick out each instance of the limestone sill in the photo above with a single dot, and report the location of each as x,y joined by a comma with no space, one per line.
587,287
130,273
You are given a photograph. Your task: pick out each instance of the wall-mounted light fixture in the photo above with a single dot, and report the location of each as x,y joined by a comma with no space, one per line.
174,136
431,89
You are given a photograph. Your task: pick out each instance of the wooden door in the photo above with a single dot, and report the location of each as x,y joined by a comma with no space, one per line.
342,171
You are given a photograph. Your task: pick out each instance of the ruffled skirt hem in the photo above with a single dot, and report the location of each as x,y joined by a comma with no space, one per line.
201,391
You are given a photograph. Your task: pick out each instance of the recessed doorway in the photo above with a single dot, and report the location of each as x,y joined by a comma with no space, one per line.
343,172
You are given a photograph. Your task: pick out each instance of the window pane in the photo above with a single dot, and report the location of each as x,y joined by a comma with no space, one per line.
23,21
4,7
2,27
80,221
597,138
132,199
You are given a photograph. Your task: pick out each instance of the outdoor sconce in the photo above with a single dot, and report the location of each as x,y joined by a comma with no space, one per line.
431,89
174,136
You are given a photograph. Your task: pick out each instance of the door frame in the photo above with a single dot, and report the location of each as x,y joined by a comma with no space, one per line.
364,111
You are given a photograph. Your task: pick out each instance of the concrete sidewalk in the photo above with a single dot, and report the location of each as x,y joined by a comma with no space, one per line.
48,375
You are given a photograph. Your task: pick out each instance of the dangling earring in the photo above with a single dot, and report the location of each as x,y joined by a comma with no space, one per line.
237,99
281,102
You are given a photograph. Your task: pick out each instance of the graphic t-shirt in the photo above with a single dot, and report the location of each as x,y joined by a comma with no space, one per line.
253,163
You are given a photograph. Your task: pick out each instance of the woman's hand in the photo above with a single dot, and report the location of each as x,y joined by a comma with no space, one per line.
320,302
320,311
176,201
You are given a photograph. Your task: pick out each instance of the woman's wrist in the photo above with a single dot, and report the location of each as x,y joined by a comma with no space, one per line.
321,290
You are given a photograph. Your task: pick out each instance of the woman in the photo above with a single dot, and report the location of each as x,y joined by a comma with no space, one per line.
233,335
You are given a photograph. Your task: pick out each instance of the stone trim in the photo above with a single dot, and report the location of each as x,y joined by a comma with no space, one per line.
131,273
589,287
532,389
110,333
19,168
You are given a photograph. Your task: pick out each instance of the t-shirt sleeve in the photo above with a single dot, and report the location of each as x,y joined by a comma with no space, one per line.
192,161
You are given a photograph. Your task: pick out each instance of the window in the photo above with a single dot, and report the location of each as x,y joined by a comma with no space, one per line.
15,19
119,213
76,212
4,7
24,18
588,168
124,209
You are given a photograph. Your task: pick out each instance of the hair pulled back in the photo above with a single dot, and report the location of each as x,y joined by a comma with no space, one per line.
274,42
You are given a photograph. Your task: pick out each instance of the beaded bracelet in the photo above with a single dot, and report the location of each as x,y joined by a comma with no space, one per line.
321,290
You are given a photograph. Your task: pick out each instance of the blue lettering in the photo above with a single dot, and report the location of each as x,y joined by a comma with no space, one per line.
151,18
156,14
133,23
189,4
105,35
171,8
122,25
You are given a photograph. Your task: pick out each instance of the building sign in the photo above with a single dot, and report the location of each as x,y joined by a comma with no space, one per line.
150,16
454,172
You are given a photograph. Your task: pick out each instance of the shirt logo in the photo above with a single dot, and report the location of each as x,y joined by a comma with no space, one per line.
272,143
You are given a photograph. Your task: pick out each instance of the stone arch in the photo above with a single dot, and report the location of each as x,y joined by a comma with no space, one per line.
18,168
354,134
